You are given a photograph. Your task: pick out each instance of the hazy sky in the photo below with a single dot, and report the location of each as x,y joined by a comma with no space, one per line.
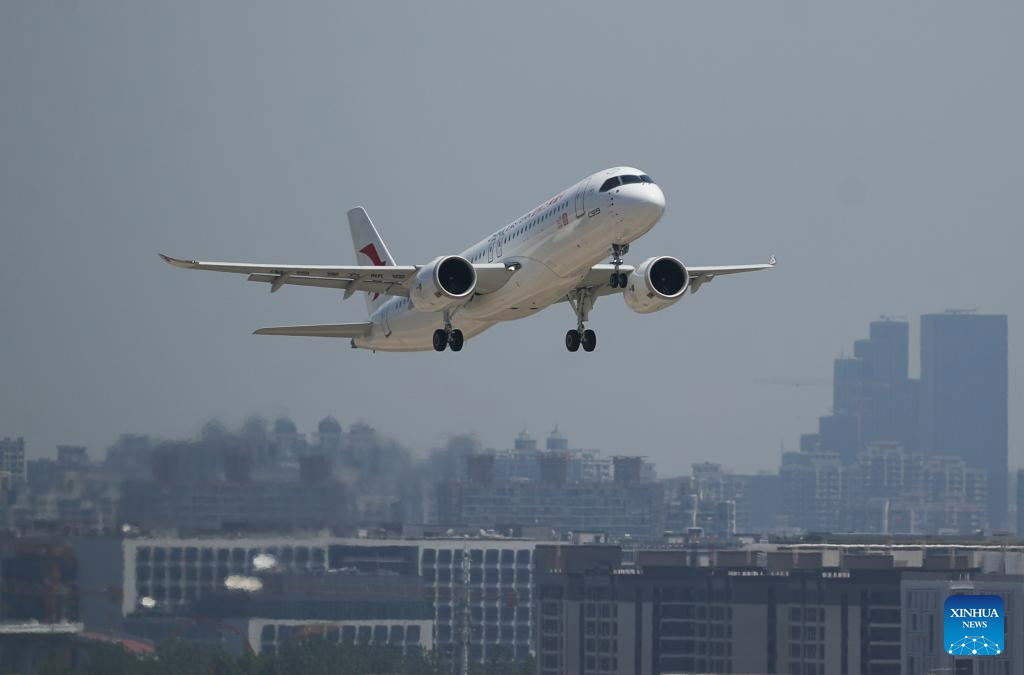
875,148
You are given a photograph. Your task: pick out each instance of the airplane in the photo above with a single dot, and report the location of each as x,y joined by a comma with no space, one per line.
548,255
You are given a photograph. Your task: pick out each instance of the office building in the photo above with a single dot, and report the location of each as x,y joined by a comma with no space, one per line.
484,585
964,402
853,605
365,602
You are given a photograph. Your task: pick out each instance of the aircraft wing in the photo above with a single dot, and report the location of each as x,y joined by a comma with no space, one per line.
386,279
702,275
597,279
492,276
336,330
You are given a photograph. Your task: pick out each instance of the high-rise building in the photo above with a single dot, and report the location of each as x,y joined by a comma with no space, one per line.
891,490
873,398
12,459
717,501
526,462
813,498
964,396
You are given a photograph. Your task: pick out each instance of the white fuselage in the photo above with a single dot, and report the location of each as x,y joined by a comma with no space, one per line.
554,245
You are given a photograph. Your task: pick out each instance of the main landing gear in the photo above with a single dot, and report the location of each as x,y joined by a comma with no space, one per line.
581,301
575,338
618,279
448,336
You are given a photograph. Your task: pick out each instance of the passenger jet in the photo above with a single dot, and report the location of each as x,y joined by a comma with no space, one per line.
551,254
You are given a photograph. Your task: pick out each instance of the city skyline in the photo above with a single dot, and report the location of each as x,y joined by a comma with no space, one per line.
908,360
873,466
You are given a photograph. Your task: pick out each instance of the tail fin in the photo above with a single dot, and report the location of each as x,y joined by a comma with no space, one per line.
370,249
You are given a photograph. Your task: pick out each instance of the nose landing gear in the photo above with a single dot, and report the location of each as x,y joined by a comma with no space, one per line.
618,279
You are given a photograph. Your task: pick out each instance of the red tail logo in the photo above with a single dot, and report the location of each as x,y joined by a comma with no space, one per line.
370,251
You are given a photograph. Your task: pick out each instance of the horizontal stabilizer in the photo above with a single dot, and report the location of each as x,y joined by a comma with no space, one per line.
336,330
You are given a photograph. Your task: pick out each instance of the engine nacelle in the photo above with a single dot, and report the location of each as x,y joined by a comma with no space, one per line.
656,284
446,281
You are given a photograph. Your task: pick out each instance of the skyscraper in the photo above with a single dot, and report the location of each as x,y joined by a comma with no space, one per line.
964,396
872,398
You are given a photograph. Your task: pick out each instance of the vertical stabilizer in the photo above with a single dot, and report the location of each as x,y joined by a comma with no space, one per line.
370,249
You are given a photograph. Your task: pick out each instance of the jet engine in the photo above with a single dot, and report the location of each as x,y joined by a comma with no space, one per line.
444,282
656,284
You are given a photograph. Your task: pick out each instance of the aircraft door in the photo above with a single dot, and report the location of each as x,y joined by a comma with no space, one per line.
580,209
385,321
499,238
490,250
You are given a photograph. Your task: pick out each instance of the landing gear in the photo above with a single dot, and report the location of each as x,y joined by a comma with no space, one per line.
572,340
581,301
440,340
589,340
617,278
448,336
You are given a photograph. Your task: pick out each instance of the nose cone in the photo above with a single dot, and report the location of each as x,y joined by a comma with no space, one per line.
643,203
655,201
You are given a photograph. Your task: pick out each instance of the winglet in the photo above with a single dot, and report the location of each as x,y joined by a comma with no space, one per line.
771,260
177,262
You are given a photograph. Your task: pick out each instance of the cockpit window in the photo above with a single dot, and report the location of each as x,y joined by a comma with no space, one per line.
616,181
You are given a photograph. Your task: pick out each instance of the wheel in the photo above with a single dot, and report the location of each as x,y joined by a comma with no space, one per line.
572,340
589,340
613,280
440,340
456,340
623,279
